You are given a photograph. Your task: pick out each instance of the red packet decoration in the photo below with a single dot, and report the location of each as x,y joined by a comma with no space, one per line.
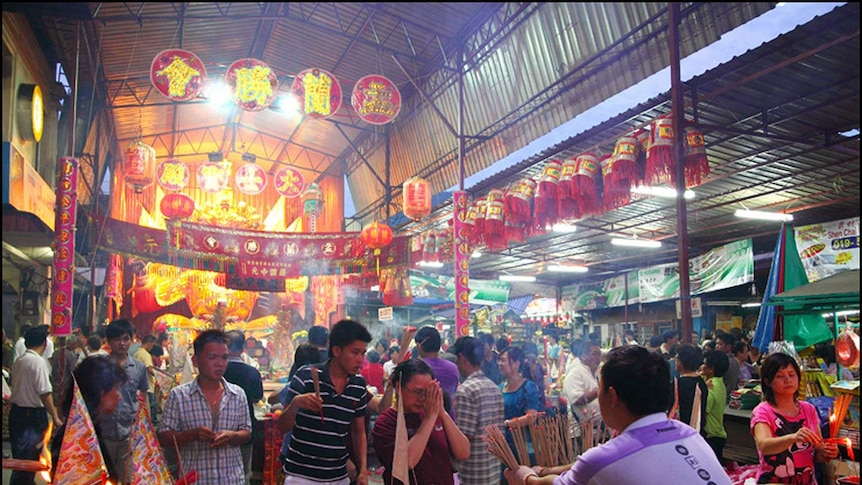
289,182
172,175
376,99
318,91
252,83
178,74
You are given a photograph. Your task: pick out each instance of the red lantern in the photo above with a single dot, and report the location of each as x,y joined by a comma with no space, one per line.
139,165
417,198
177,206
376,235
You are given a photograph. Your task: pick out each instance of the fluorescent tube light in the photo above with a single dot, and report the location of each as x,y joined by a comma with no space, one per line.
666,192
635,243
763,216
564,268
563,228
514,278
375,288
476,254
750,305
431,264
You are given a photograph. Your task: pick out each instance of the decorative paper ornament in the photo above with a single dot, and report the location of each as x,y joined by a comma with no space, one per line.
659,160
479,222
253,84
547,199
318,91
289,182
178,74
212,177
312,204
622,172
494,225
376,99
585,181
417,198
568,209
250,179
469,223
177,206
429,247
696,162
376,235
395,286
172,175
139,166
518,209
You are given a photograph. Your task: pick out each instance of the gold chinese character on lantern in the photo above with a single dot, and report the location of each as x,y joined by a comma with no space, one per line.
320,92
253,83
376,99
178,74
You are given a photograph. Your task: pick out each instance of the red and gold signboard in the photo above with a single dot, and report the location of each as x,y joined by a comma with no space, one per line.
250,179
462,264
252,83
289,182
172,175
64,247
178,74
376,99
318,91
212,177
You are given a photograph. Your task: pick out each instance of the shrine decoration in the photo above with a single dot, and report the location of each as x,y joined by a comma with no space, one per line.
547,198
282,345
395,286
429,247
622,171
250,179
585,184
62,284
212,177
376,236
177,74
289,182
318,91
376,99
139,165
495,225
324,294
225,213
253,84
518,209
462,255
417,198
478,237
114,283
695,161
172,175
568,208
312,205
659,159
177,206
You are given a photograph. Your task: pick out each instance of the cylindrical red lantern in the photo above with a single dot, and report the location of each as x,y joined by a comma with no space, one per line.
586,193
494,225
417,198
659,160
696,162
177,206
139,165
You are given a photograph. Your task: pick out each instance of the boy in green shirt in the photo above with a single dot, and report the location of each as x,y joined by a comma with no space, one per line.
715,365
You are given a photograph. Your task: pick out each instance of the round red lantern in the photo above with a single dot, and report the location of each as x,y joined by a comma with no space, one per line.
376,235
417,198
177,206
139,165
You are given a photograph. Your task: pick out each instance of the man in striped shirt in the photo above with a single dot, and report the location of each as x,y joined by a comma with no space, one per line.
478,403
318,451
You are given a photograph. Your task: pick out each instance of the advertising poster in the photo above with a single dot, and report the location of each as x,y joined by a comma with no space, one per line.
828,248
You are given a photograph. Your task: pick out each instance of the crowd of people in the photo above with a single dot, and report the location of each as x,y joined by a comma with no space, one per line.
337,409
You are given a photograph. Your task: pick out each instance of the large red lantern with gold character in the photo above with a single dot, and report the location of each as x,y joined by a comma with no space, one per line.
376,235
417,198
139,166
177,206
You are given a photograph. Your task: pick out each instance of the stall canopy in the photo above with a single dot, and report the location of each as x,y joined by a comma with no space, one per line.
837,292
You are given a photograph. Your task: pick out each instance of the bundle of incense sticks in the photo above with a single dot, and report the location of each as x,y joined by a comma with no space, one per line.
839,412
315,379
516,428
498,446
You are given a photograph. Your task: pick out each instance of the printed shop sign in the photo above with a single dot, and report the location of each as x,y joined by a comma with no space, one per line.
608,293
828,248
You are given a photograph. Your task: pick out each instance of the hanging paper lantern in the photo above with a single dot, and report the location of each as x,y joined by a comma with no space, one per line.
250,179
585,184
376,99
548,195
568,208
172,175
495,226
696,162
376,236
417,198
178,74
212,176
518,209
289,182
177,206
659,160
253,84
139,166
318,91
312,200
622,172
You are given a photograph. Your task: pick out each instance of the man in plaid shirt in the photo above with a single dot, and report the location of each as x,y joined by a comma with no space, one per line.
478,403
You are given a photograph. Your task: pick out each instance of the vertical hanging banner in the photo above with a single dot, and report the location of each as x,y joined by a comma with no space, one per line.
318,91
178,74
462,264
376,99
253,84
64,247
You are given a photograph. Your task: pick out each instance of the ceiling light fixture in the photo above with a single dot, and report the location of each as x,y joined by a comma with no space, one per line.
763,216
476,254
431,264
517,278
665,192
567,268
564,228
750,305
635,243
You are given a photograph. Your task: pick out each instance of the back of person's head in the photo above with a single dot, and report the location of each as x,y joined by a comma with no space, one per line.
427,339
501,344
405,371
373,356
531,348
303,355
148,339
669,335
119,328
236,341
157,351
655,341
689,357
640,378
96,376
486,339
718,361
740,346
163,337
770,367
345,332
94,343
737,333
23,329
708,344
35,337
516,354
577,346
318,336
629,333
471,348
826,352
208,337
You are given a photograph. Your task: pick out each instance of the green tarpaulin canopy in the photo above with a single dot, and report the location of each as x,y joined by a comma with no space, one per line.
837,292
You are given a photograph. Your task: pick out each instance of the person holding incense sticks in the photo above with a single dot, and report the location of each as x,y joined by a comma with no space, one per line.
786,430
635,393
433,437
